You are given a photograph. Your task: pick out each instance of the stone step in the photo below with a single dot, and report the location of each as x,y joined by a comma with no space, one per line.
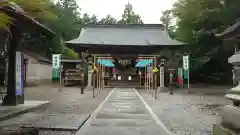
122,122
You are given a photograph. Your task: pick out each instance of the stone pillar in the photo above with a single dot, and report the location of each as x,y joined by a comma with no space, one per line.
90,68
161,73
89,84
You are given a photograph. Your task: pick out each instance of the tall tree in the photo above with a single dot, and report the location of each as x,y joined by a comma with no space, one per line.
108,20
67,23
166,18
196,21
168,22
129,16
86,19
93,19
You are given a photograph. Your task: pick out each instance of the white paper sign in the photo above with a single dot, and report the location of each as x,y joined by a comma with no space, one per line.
161,76
185,63
19,73
56,60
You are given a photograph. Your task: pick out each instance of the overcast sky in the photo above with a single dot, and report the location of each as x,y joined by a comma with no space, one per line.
149,10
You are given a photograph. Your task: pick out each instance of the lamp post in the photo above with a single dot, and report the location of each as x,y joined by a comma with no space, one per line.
84,61
90,65
88,59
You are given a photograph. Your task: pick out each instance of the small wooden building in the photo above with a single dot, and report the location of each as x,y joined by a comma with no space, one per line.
38,69
72,72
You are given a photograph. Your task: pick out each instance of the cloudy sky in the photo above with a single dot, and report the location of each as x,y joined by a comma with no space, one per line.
149,10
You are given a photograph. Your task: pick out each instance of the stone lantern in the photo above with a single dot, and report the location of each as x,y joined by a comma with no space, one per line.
230,114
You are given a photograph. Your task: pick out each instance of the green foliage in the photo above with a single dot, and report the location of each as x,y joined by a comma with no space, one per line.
87,19
129,16
66,26
69,53
196,23
64,18
108,20
35,8
196,20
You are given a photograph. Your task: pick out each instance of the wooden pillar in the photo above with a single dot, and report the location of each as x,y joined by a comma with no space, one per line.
97,59
145,78
11,98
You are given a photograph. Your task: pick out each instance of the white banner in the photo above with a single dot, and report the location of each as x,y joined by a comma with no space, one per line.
56,60
19,73
185,62
161,72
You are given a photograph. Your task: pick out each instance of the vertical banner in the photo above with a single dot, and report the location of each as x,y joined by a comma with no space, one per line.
186,68
161,76
19,73
56,65
185,74
56,60
185,63
180,77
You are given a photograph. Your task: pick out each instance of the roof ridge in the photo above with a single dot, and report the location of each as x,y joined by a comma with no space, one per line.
125,26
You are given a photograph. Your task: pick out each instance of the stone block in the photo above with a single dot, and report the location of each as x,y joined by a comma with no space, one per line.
230,116
15,130
220,130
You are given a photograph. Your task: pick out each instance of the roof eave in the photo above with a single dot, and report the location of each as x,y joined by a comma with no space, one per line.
27,20
147,45
125,25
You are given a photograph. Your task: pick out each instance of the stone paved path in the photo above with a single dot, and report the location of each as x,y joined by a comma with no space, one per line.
123,112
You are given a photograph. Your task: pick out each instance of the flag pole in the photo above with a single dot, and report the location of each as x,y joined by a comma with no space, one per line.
188,79
188,73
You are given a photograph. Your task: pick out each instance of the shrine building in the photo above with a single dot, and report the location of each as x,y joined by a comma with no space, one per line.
126,54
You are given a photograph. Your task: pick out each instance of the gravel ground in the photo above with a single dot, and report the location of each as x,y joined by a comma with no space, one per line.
64,101
187,114
68,100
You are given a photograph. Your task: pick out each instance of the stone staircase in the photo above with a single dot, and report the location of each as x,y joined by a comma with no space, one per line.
125,82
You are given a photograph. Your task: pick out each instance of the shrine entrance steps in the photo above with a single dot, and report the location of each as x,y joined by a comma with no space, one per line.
134,82
123,112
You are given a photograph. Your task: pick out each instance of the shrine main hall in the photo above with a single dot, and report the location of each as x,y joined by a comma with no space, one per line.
126,54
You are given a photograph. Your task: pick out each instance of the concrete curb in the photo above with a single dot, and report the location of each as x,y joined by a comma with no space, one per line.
22,111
